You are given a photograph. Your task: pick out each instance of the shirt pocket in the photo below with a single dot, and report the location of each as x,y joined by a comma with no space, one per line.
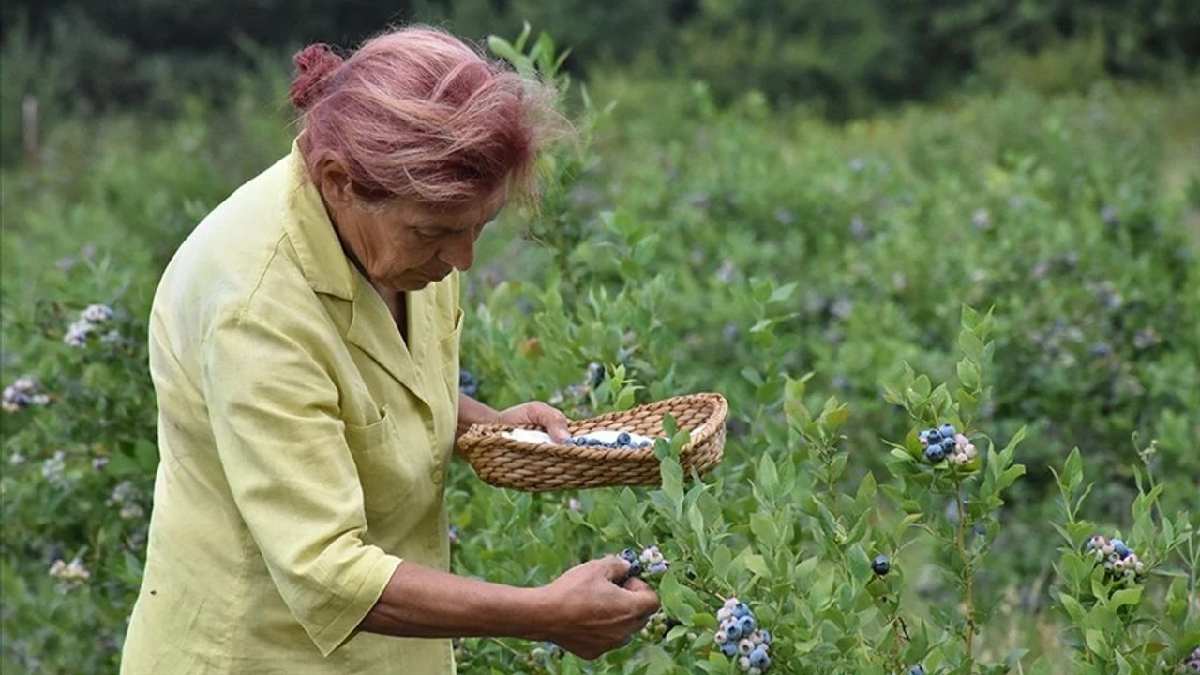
393,460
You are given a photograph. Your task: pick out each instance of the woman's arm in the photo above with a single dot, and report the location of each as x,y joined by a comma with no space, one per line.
471,412
584,610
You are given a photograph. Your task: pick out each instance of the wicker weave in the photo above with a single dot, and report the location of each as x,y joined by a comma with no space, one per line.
537,467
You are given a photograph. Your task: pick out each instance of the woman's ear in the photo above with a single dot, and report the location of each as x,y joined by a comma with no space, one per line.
334,183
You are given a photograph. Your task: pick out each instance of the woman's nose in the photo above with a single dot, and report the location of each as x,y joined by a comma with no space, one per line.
459,252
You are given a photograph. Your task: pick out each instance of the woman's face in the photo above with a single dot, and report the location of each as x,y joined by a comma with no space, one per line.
405,246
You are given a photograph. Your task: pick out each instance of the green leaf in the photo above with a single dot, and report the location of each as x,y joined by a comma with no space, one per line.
763,527
1073,470
768,477
504,49
696,520
1073,608
783,293
721,558
756,564
147,455
1126,596
1010,475
971,346
867,489
672,483
670,593
670,426
1014,442
968,374
860,564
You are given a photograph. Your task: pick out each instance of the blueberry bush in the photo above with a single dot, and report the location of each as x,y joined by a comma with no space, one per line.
959,344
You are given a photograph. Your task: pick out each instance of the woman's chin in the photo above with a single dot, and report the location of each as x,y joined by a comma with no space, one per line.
407,283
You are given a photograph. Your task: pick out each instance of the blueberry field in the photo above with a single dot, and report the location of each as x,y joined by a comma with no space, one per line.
960,341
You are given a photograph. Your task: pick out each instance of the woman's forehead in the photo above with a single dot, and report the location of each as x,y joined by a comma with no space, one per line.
457,216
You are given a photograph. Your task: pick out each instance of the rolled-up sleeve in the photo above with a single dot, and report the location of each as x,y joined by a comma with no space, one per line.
281,442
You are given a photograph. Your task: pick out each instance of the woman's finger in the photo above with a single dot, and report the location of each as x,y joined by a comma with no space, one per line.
554,422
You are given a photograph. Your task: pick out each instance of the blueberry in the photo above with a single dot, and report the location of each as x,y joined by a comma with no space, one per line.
934,453
881,565
923,437
741,609
729,649
916,670
734,631
766,636
759,658
623,438
629,556
1121,549
467,383
635,569
947,431
747,624
596,374
948,445
933,435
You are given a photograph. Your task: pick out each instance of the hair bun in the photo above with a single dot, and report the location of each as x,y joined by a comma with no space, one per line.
313,64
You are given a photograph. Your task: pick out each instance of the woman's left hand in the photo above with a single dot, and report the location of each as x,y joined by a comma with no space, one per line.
538,414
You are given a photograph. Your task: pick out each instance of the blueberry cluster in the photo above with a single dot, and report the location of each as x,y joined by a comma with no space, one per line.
90,321
73,572
650,562
622,440
23,393
656,629
1121,564
467,383
539,657
1192,664
944,442
740,637
595,374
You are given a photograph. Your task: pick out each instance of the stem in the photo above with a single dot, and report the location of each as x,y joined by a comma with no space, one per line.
968,576
684,581
901,629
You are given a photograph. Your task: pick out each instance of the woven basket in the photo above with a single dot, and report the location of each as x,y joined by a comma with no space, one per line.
537,467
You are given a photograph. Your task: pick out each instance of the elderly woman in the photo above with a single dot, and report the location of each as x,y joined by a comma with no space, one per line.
304,350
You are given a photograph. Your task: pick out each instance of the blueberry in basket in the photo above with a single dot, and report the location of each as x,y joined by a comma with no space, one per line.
600,438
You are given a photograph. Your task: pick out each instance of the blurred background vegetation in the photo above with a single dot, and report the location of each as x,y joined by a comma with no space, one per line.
842,59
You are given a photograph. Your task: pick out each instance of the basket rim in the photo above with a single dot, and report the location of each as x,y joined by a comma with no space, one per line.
478,432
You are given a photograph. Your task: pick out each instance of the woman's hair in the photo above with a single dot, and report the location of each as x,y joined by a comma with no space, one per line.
417,114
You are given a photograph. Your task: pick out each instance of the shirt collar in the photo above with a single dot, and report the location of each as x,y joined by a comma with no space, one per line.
312,234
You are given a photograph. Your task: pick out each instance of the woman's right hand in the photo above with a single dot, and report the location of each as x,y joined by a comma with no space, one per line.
588,614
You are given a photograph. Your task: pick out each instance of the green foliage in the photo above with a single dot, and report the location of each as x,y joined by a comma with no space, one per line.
686,245
844,59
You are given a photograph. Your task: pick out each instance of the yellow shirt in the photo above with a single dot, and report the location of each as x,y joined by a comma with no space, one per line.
303,447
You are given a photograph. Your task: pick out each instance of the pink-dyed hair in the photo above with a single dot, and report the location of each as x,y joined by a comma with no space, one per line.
416,114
